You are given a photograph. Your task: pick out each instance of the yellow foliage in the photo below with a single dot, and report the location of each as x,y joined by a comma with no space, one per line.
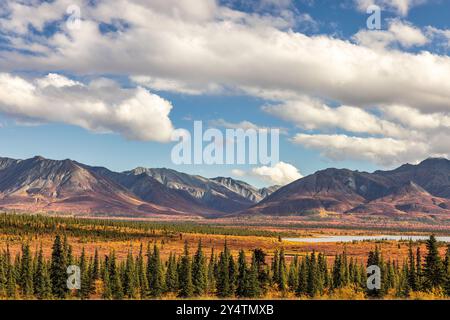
346,293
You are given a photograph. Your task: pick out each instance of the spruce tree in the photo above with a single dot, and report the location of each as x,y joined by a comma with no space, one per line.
142,274
282,273
375,259
11,286
337,273
115,278
313,276
129,282
40,282
302,287
26,272
323,272
411,270
199,272
433,268
85,289
293,274
185,275
155,274
262,270
419,270
58,270
212,268
232,271
107,290
95,267
223,274
172,274
242,277
253,286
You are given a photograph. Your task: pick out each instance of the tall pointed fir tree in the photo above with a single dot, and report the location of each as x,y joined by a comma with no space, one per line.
242,277
302,287
224,288
185,275
155,273
263,271
129,281
115,278
253,286
42,283
433,271
26,272
58,269
212,268
411,271
282,272
293,274
106,277
142,274
199,272
172,274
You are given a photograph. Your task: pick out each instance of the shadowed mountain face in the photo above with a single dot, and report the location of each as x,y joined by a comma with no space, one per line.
219,194
415,189
39,184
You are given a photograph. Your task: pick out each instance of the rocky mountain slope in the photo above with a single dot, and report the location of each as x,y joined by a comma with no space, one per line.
411,189
40,184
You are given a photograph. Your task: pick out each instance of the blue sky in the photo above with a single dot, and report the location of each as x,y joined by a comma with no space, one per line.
133,72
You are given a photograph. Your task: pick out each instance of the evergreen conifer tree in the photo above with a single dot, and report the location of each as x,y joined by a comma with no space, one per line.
199,272
433,271
58,269
185,275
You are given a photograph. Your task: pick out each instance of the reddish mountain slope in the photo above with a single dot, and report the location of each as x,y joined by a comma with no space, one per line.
412,189
39,184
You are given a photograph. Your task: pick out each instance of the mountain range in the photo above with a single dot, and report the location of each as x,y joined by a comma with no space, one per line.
43,185
40,184
410,190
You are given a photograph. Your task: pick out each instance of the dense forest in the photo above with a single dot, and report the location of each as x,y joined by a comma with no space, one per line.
108,229
143,275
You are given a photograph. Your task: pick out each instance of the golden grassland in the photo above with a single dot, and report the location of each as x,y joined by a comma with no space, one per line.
91,235
393,250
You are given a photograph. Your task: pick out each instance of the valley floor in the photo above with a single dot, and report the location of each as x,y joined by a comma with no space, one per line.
123,237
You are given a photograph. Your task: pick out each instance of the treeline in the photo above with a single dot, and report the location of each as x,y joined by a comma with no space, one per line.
107,229
145,276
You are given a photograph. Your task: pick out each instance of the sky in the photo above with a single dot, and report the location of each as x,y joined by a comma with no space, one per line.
108,83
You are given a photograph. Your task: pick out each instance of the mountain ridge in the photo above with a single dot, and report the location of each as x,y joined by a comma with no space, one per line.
39,184
68,185
348,192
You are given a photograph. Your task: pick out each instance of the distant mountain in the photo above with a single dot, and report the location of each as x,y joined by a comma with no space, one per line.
151,190
413,189
220,194
40,184
246,190
406,199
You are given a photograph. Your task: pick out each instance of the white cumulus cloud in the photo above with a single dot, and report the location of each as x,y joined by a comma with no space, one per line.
279,174
399,32
100,106
312,114
382,151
